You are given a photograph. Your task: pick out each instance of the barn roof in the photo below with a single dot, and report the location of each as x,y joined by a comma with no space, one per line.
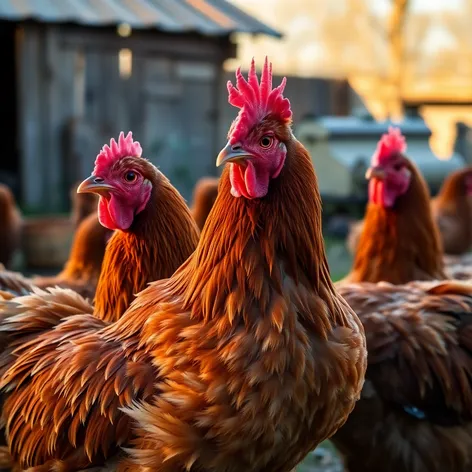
211,17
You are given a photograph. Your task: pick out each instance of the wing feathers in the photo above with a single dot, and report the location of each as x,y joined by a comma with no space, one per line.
74,380
419,339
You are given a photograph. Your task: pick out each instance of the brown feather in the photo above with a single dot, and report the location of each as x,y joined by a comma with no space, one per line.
13,283
419,339
204,196
452,210
10,226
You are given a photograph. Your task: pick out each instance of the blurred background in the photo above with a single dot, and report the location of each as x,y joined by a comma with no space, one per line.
77,72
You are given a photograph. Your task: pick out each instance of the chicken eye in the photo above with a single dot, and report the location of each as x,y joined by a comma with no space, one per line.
398,166
130,176
266,141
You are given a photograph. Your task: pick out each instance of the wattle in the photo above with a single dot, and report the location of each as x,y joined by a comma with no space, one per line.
380,194
247,181
114,214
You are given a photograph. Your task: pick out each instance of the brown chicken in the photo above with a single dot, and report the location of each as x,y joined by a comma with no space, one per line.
10,226
452,212
154,234
204,196
399,240
244,360
83,204
415,411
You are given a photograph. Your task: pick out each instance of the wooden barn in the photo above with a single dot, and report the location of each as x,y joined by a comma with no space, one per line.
77,72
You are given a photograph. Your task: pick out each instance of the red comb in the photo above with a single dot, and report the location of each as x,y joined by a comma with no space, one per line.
390,144
256,101
116,150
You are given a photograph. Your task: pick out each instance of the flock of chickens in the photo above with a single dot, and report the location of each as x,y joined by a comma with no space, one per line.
216,340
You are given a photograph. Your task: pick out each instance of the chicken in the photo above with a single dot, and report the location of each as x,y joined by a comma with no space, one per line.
399,241
82,270
415,411
204,196
83,204
10,226
353,235
244,359
452,212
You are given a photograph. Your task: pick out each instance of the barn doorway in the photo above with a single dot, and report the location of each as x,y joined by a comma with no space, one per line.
10,160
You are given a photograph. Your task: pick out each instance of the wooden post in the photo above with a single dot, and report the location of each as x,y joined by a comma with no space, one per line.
29,50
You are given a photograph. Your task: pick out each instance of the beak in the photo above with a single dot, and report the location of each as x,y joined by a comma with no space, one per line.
232,153
95,184
375,173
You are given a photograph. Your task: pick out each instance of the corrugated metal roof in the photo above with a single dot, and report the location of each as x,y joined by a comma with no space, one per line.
212,17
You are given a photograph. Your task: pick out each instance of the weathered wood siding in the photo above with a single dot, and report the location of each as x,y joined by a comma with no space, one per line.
72,100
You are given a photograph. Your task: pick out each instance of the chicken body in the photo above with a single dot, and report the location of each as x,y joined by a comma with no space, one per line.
452,211
415,411
204,196
244,360
10,226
